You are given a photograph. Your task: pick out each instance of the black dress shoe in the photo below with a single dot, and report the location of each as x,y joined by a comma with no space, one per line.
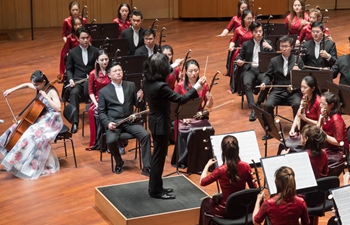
164,196
119,168
252,116
75,128
146,171
168,190
266,137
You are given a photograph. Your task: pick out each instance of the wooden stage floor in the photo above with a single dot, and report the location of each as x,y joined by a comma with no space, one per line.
67,197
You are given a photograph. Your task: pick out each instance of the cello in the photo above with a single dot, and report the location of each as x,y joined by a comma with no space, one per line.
30,114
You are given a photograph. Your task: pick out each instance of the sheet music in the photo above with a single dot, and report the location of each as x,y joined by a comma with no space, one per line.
248,146
341,197
299,162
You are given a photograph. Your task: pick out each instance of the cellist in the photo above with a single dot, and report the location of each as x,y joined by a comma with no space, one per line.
32,155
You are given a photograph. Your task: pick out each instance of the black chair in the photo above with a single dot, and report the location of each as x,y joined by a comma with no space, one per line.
239,208
276,112
65,133
317,201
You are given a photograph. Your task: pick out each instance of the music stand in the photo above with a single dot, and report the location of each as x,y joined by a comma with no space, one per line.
267,122
111,46
274,28
103,30
322,76
132,63
134,77
275,40
342,93
187,110
264,60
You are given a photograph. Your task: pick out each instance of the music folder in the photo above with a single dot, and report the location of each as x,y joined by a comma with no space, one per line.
322,76
299,162
341,199
248,146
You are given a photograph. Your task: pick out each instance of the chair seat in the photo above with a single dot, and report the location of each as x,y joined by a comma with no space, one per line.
64,133
317,210
240,221
124,136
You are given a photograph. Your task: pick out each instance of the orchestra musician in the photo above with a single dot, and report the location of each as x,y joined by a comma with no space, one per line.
32,156
80,61
98,79
342,66
279,72
71,42
249,59
116,102
297,19
174,76
240,35
67,26
286,200
319,51
150,47
159,95
232,175
123,18
134,34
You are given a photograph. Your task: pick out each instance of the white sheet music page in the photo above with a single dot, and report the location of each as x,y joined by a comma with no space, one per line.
248,146
341,197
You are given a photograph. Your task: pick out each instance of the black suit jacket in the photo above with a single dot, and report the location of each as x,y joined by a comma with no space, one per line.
128,34
76,69
159,95
143,50
310,59
110,109
247,50
342,66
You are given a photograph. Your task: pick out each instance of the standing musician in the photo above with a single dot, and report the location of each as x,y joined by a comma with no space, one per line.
134,34
67,22
150,47
123,18
81,60
159,95
342,66
297,19
250,54
279,74
319,51
32,155
174,76
116,102
232,175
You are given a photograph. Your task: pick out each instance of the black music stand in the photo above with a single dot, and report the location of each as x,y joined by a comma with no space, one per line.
267,122
103,30
264,60
132,63
178,112
274,29
322,76
112,45
342,93
275,40
134,77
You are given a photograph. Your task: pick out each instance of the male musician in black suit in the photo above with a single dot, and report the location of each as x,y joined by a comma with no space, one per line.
320,52
159,95
279,72
342,66
249,59
116,102
80,61
134,34
150,46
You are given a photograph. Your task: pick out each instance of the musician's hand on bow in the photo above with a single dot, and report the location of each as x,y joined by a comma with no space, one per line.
286,151
71,83
112,126
231,46
132,118
186,121
139,95
224,32
44,94
262,86
201,81
7,92
292,132
324,54
178,62
240,62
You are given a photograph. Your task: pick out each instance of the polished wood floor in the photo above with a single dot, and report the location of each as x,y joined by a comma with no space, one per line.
67,197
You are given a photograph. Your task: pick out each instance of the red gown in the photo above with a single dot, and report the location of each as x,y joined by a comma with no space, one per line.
67,26
295,26
173,77
95,85
122,25
319,164
71,42
240,35
234,23
227,187
283,213
180,88
305,33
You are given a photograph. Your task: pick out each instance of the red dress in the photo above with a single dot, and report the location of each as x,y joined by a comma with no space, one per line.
305,33
313,112
227,187
234,23
173,77
71,42
295,26
95,85
283,213
180,88
67,26
122,25
319,164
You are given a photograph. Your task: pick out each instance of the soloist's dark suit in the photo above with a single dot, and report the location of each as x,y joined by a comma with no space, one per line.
342,66
159,95
250,74
110,109
309,56
77,70
144,51
281,95
128,34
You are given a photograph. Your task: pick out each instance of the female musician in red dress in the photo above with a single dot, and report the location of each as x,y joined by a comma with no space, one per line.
67,26
297,19
232,175
123,18
335,128
174,76
241,34
285,208
71,42
98,78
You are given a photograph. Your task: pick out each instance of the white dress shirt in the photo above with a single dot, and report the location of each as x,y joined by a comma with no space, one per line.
84,53
255,62
317,49
285,66
119,91
136,36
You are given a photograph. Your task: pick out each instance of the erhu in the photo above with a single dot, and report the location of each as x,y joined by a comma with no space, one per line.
161,36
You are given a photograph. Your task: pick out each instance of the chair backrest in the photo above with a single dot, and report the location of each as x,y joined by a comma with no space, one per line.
68,113
241,203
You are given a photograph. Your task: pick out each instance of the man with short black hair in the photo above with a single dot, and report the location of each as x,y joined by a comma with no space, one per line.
150,46
134,34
